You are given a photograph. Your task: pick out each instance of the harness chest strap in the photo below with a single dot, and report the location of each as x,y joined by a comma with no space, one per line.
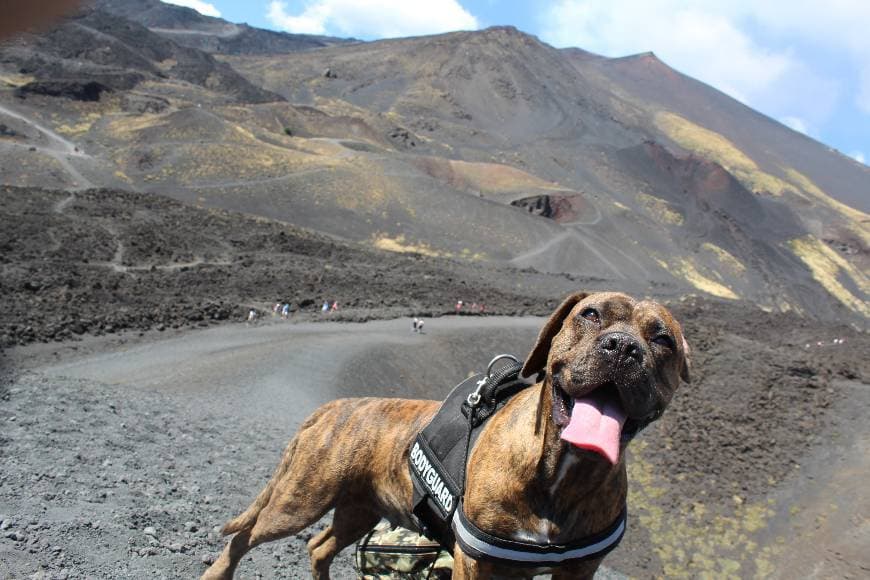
479,544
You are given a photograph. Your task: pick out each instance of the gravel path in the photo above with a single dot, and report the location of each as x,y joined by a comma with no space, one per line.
123,463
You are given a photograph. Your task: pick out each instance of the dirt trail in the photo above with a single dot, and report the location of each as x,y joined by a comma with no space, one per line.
827,522
63,145
546,248
61,150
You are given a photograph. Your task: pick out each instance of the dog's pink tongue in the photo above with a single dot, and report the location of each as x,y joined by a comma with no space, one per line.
596,425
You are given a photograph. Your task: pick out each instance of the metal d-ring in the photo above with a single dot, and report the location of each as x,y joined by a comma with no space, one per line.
497,358
473,399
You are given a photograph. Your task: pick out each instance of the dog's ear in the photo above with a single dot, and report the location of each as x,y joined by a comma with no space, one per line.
537,359
687,362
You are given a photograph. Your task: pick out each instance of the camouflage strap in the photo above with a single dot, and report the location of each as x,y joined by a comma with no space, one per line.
388,553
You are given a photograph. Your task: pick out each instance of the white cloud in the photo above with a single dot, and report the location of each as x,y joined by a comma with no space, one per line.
198,5
858,156
838,26
373,18
699,40
863,99
786,58
796,123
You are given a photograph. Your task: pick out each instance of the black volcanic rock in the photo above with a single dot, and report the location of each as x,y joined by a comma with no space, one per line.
118,53
76,90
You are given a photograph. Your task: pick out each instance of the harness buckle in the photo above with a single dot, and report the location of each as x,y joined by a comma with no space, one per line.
473,399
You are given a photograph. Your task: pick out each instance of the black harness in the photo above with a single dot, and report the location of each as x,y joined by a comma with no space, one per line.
438,461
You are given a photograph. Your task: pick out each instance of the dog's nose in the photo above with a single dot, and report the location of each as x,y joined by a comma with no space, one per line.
621,346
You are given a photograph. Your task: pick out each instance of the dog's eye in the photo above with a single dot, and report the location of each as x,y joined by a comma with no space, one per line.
591,315
664,340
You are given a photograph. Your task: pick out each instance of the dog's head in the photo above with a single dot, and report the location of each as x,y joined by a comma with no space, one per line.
611,366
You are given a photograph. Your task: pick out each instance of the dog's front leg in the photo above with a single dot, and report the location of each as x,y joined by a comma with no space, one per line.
467,568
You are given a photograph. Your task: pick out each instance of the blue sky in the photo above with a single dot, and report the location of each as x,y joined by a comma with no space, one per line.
805,63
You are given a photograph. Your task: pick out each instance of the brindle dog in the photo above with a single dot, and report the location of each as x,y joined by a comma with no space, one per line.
524,479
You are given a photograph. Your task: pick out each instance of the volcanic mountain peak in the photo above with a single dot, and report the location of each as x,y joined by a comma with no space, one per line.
214,35
154,13
581,54
488,144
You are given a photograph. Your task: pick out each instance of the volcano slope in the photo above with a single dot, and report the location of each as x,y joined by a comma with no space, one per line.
129,439
101,261
488,145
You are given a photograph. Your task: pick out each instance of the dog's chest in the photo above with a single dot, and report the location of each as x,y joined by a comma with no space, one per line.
543,530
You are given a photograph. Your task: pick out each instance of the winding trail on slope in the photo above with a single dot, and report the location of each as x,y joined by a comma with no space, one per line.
61,150
553,242
64,145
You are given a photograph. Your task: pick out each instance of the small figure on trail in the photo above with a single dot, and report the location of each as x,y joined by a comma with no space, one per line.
285,310
458,306
414,324
420,326
334,306
325,306
276,308
252,315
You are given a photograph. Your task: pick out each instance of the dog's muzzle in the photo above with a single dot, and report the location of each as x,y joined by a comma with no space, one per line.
620,349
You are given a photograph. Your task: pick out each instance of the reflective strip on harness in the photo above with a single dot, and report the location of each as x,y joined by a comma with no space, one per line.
478,544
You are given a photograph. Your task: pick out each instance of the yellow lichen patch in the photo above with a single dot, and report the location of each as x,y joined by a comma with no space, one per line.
125,127
341,107
715,147
689,272
15,79
734,265
498,177
660,209
226,164
83,126
123,176
244,132
356,199
168,64
384,242
859,221
827,267
702,542
469,255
